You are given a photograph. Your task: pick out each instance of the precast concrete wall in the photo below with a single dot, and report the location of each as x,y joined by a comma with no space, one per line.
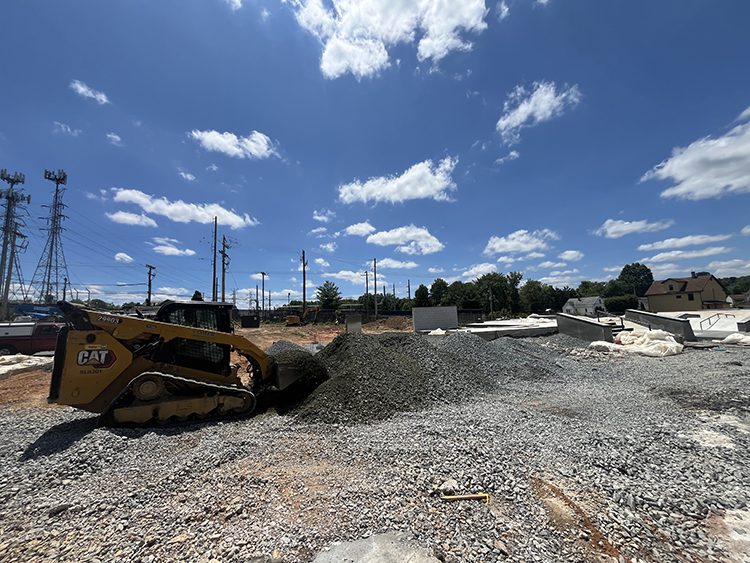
430,318
583,328
743,326
678,327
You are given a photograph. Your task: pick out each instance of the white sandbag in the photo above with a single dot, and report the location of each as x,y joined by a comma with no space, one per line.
653,343
737,338
602,346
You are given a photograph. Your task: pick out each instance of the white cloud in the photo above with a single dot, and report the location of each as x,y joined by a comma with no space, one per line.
507,260
616,228
322,262
423,180
83,90
183,212
512,155
709,167
114,139
328,246
186,176
549,264
409,239
503,11
123,257
258,276
746,231
528,107
255,146
356,278
520,241
212,167
126,218
478,270
168,247
664,270
65,129
613,269
323,215
265,14
686,254
101,196
390,263
360,229
691,240
356,36
318,232
234,4
570,255
533,256
727,268
435,270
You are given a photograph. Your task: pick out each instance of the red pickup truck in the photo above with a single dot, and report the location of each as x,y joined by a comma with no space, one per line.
28,338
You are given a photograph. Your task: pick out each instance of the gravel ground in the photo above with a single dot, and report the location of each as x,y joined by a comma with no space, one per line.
586,458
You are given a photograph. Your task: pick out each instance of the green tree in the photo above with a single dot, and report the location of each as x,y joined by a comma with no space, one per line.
514,297
618,304
422,296
328,295
494,285
437,291
637,278
535,297
591,288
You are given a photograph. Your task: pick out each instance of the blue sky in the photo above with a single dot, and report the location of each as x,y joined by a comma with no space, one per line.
560,138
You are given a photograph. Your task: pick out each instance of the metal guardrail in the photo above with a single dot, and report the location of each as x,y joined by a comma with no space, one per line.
716,317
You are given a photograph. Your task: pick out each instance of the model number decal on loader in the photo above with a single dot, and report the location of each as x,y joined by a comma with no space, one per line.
96,358
106,319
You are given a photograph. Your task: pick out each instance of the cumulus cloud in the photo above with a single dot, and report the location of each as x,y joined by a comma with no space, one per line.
423,180
234,4
318,232
526,107
746,231
686,254
409,239
390,263
570,255
114,139
478,270
503,11
323,215
212,167
549,264
258,276
255,146
356,36
168,247
356,278
728,268
328,246
123,257
520,241
65,129
512,155
182,212
680,242
435,270
533,256
360,229
322,262
507,260
126,218
85,91
709,167
186,176
616,228
561,278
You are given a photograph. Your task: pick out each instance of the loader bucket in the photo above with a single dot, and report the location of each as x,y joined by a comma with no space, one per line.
302,368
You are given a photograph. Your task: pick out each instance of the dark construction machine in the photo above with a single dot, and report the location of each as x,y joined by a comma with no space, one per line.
177,367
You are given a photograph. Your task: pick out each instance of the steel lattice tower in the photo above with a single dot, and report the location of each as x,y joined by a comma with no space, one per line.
12,224
52,271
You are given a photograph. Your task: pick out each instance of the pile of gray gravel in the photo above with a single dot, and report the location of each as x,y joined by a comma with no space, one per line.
284,345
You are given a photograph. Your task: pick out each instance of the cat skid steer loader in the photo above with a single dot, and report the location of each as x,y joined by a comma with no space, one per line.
140,371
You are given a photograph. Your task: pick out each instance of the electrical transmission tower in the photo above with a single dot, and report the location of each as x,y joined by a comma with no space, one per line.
52,268
11,233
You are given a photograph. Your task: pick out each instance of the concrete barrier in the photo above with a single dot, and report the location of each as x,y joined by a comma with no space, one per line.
678,327
430,318
583,328
743,326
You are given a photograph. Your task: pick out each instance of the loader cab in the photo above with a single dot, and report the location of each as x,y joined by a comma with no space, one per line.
198,354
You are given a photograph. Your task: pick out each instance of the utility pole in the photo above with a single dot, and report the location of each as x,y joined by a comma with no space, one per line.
88,300
249,299
394,290
52,266
263,293
10,233
65,288
151,276
304,284
224,266
375,284
269,303
213,263
408,288
256,298
234,297
288,297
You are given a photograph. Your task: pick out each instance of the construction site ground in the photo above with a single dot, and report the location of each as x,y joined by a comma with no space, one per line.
585,456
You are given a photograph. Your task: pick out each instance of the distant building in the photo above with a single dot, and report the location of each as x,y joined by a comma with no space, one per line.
585,306
687,294
739,300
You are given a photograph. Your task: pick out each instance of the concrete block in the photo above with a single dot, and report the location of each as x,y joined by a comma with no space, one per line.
583,328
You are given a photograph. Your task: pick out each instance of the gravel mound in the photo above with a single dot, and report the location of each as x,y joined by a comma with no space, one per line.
373,377
282,346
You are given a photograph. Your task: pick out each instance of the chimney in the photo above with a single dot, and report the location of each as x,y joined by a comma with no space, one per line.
693,275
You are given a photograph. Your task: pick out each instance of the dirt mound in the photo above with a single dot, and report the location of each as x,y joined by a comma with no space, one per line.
374,376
